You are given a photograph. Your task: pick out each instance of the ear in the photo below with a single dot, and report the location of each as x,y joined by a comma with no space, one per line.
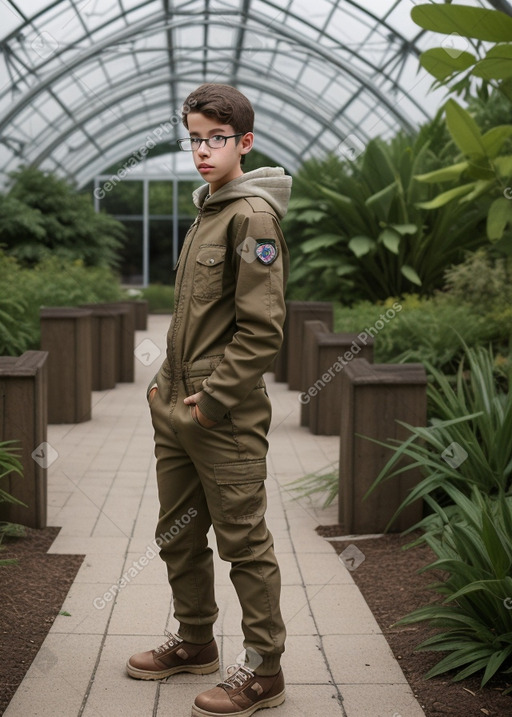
246,143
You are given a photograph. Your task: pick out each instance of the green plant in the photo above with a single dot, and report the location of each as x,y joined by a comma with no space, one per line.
44,216
484,171
16,333
472,542
478,25
160,298
317,482
469,440
482,281
483,174
425,329
52,282
359,230
9,463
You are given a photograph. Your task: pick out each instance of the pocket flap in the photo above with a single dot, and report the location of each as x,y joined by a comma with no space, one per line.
211,255
248,471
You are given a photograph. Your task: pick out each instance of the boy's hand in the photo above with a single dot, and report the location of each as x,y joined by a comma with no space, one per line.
197,415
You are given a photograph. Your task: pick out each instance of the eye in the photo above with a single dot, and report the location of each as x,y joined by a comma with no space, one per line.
218,137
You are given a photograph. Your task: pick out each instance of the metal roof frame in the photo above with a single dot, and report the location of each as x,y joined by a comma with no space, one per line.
46,104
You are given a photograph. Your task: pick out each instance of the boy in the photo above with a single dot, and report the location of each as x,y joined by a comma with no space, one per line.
211,412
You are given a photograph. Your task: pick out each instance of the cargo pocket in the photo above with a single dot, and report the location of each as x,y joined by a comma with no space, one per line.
242,490
208,272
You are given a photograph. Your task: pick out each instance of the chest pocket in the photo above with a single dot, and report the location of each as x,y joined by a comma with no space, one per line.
208,272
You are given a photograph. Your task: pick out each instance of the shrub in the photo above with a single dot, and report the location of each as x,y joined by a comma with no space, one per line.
432,330
160,298
43,215
358,229
481,281
52,282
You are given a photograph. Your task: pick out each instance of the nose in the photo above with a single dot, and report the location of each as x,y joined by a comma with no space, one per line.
203,148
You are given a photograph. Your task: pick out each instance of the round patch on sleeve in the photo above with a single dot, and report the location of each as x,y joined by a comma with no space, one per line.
266,251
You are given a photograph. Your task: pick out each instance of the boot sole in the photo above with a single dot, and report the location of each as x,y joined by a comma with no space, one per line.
162,674
262,705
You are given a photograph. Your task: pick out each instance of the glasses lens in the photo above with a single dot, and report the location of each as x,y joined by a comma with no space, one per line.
185,145
217,141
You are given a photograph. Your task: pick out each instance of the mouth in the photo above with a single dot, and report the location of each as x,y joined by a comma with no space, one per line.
204,167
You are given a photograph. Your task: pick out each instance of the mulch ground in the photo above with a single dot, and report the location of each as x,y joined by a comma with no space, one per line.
392,587
31,596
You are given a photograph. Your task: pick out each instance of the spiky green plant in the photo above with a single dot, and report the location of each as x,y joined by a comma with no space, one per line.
9,463
472,540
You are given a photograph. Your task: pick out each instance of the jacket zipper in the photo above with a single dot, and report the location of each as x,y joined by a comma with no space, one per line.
178,299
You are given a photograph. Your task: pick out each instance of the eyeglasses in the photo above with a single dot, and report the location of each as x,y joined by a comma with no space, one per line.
191,144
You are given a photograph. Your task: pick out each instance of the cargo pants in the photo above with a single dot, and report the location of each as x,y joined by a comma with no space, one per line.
216,477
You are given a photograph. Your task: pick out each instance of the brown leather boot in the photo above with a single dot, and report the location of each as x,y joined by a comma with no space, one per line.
241,694
174,656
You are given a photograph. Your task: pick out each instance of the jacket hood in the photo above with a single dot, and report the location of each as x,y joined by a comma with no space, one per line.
269,183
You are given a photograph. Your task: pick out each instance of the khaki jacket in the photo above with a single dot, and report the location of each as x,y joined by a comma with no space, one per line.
229,306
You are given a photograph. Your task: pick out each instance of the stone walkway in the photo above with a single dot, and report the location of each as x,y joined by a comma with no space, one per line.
102,492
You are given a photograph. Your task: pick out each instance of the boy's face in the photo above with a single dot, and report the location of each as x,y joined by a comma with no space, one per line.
217,166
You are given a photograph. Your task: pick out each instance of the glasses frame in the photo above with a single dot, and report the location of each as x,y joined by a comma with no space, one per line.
207,140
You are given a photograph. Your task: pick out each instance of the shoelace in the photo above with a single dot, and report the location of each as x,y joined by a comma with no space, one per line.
238,674
171,642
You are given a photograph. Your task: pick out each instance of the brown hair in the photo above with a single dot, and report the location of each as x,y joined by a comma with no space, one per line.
221,102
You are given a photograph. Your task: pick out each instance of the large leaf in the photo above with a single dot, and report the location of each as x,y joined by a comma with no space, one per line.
311,216
464,130
405,228
381,201
494,139
481,187
391,240
320,242
445,174
500,214
497,64
441,64
478,23
410,274
378,170
504,167
345,269
361,245
446,197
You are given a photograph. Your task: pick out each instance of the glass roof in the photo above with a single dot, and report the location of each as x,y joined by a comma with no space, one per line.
86,83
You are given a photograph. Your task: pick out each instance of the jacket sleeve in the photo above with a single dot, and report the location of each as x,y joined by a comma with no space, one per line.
259,313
